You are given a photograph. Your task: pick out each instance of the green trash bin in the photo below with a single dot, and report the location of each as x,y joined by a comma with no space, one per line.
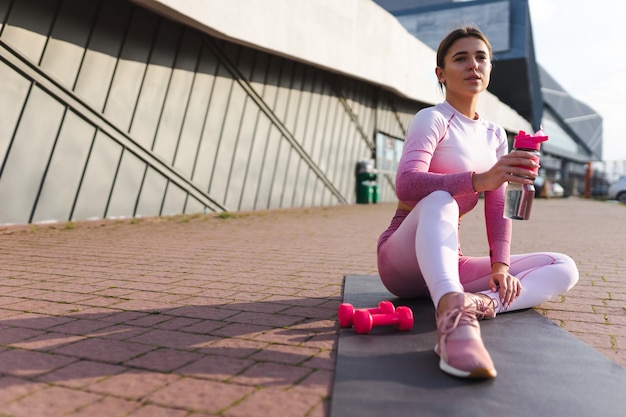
366,185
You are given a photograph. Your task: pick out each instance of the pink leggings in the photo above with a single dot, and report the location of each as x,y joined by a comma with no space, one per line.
421,258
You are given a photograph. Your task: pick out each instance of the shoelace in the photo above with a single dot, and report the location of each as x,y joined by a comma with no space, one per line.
482,306
452,318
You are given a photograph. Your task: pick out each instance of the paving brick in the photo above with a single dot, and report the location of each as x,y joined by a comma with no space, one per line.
202,311
619,340
163,360
274,402
18,362
325,360
81,327
51,401
314,312
173,339
15,298
12,389
106,350
235,347
176,323
269,374
149,305
132,384
240,329
157,411
322,341
286,354
274,320
319,382
120,332
150,320
81,374
14,335
320,410
31,320
118,317
200,395
47,341
216,367
205,327
107,407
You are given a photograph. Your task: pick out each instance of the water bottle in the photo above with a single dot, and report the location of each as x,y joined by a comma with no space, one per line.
519,197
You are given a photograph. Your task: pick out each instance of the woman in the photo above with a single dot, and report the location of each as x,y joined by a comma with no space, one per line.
450,155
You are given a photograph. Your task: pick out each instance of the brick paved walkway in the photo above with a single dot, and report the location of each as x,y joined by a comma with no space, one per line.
235,315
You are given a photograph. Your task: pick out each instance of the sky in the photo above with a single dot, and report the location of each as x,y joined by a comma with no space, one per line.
581,44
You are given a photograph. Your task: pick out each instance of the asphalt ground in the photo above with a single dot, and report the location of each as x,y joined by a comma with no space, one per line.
235,314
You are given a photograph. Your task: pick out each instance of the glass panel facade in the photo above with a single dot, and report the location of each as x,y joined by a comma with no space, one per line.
558,137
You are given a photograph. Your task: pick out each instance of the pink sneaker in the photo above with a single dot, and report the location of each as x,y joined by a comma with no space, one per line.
459,345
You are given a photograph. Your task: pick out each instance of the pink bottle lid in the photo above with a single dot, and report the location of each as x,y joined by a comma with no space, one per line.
524,140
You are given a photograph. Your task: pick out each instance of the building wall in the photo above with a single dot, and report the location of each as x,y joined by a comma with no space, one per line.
109,110
356,38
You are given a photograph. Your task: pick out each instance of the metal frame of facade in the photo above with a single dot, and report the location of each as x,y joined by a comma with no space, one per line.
109,110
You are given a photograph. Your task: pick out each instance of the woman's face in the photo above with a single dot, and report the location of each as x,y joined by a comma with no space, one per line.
467,67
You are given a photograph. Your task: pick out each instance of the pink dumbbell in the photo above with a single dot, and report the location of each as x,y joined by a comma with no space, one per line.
346,312
402,318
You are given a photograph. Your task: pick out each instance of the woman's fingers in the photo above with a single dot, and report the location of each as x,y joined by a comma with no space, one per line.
517,166
510,288
519,163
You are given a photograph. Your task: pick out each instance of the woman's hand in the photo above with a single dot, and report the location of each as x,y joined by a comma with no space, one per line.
506,284
516,166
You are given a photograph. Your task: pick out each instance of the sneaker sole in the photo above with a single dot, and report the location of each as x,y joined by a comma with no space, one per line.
478,373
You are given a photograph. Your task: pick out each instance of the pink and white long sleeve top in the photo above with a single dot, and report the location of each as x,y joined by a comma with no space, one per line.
442,150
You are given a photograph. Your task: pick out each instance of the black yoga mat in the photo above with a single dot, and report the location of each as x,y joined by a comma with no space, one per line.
542,369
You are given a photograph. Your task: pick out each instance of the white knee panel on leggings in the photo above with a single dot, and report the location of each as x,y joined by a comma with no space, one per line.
436,243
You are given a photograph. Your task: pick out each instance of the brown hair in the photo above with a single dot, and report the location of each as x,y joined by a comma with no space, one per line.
455,35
